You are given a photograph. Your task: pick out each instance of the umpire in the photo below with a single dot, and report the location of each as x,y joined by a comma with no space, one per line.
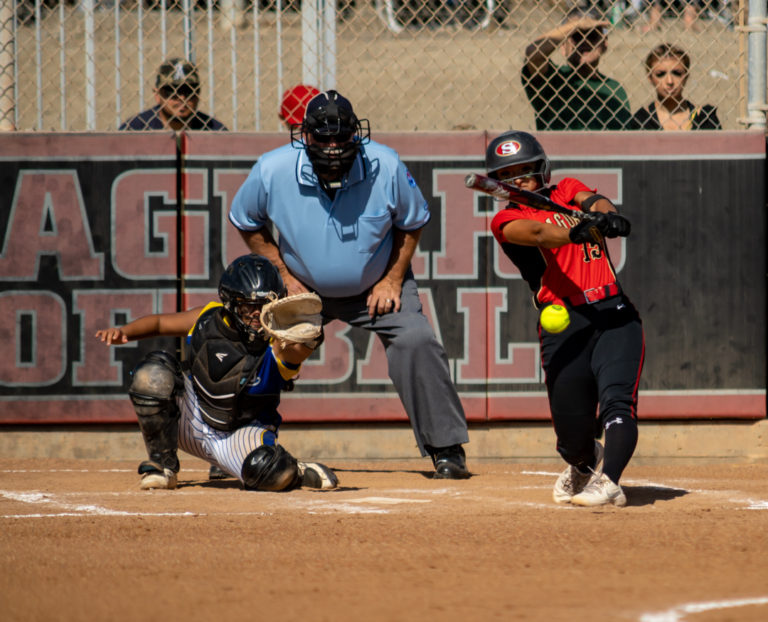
349,217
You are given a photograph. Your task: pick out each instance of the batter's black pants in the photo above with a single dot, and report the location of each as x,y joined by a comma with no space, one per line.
595,362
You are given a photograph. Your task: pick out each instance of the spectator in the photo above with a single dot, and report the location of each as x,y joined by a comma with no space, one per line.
690,14
232,14
668,68
294,104
349,216
177,93
575,96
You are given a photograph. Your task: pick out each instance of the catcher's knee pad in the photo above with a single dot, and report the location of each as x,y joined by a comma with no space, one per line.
153,388
156,379
270,468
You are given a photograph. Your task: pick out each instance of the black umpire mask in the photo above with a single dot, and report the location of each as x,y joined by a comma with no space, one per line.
332,135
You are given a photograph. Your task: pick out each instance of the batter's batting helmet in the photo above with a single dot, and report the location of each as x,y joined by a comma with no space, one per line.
250,279
516,147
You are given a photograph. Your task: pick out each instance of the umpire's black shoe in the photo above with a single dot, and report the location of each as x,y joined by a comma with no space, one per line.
450,462
216,473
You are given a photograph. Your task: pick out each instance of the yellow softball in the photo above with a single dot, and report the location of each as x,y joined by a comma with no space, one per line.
554,318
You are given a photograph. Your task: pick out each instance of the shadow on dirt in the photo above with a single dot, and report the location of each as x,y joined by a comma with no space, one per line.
648,495
233,484
223,484
425,474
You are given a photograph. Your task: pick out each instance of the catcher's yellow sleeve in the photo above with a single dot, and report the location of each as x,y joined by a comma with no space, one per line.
287,370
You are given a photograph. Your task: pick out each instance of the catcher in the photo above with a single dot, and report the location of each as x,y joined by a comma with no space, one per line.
220,403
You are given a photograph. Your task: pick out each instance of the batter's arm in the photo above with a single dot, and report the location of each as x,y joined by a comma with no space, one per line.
385,294
535,233
262,243
591,202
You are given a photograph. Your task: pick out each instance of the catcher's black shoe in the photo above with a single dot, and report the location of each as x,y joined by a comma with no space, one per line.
216,473
450,462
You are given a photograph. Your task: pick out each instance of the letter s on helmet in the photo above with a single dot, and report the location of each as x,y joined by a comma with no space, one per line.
516,147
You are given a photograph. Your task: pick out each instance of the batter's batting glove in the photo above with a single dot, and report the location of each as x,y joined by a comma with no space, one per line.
599,224
589,230
615,226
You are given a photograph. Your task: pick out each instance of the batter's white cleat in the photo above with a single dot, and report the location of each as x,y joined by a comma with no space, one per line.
572,481
154,476
316,475
600,491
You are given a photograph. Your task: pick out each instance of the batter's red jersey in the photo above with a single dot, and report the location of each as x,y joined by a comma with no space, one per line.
565,271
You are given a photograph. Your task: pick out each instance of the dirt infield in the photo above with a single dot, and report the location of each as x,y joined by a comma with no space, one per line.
80,541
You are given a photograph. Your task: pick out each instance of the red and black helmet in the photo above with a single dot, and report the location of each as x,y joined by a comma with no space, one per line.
515,147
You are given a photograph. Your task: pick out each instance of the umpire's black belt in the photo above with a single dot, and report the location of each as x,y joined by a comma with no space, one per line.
587,297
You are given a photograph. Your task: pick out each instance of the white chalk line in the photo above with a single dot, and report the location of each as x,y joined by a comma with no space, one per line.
73,509
351,506
16,471
679,613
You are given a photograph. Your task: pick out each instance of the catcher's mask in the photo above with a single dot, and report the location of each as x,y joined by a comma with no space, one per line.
331,134
247,284
512,148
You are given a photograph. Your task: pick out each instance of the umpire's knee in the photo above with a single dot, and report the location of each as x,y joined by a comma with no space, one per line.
270,468
415,336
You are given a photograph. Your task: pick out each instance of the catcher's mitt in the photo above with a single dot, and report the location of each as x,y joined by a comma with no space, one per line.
294,318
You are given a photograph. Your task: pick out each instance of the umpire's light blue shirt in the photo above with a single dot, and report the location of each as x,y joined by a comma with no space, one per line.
340,247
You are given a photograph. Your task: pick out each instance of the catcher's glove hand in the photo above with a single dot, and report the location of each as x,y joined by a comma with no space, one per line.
294,318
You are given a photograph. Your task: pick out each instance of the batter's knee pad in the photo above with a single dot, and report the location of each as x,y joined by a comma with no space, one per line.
270,468
156,381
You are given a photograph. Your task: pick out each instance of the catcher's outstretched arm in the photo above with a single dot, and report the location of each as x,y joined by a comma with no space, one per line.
155,325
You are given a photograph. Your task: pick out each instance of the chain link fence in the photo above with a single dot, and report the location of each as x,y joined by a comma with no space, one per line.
72,65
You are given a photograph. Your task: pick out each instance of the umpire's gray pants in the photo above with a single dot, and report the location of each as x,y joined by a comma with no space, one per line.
417,364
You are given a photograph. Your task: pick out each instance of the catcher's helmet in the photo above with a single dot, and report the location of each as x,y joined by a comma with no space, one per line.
330,118
516,147
253,280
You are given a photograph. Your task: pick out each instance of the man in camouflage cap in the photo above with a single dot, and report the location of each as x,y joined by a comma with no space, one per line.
177,96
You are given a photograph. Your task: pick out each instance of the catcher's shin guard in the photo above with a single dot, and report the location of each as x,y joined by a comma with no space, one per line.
270,468
155,383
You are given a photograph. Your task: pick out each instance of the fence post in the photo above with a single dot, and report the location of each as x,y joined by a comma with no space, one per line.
318,43
6,68
90,66
756,67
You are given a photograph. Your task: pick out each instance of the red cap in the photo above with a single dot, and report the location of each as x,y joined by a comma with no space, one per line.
295,101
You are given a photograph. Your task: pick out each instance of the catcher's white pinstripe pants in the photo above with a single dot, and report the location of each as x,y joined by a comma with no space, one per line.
227,450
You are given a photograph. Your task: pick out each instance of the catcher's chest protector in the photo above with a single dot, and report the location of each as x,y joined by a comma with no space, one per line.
222,368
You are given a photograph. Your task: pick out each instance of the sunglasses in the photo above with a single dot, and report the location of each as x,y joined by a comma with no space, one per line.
179,92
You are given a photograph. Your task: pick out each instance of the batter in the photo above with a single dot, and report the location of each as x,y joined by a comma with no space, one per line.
593,367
